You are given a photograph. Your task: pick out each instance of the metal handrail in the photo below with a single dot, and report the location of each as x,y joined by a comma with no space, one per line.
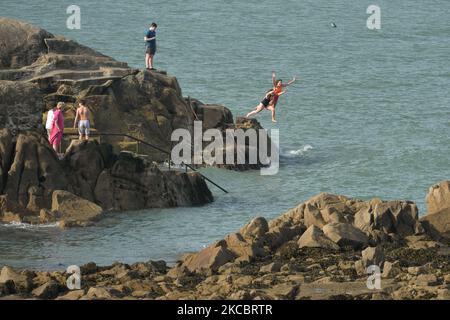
154,147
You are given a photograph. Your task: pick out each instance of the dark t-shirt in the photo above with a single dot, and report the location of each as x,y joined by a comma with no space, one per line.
151,43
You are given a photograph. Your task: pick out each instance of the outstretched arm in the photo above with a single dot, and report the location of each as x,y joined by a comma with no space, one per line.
291,82
274,79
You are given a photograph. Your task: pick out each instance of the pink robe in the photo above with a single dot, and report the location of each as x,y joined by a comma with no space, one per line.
56,135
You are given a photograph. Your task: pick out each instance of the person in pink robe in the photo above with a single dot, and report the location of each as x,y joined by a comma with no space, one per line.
57,131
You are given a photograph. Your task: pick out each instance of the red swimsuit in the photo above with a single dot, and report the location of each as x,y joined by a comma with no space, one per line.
277,90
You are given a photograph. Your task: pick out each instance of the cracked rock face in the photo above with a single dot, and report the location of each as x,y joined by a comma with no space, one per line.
92,174
21,106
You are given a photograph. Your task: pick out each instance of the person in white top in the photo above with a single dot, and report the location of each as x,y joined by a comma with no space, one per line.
49,122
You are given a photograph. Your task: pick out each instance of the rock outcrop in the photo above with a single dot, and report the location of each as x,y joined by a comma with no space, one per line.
21,106
331,222
437,220
280,259
73,210
438,197
38,187
39,69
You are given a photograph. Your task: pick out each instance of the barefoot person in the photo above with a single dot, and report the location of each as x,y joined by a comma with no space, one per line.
150,40
82,119
278,86
57,131
266,103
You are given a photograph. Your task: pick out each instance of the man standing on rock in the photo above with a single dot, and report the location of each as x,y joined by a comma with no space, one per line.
82,118
150,40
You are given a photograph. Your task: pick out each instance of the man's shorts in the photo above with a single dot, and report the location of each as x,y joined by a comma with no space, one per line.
83,127
151,50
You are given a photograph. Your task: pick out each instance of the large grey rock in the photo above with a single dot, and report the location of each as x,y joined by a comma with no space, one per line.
47,291
399,217
255,229
21,43
21,106
6,149
244,249
34,173
209,259
212,116
373,256
134,184
344,234
314,237
438,197
437,224
22,282
75,211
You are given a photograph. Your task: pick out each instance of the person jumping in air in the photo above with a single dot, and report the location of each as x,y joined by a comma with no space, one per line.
278,86
266,103
150,40
275,93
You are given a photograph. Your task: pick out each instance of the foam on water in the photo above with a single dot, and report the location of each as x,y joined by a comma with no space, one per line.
28,226
297,153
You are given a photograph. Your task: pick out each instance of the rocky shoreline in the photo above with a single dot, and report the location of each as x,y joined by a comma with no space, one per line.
320,249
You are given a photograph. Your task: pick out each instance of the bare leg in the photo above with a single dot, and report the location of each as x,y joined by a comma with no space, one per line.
147,57
272,108
257,110
150,61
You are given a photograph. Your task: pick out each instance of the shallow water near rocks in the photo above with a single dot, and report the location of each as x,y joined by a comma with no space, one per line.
367,118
